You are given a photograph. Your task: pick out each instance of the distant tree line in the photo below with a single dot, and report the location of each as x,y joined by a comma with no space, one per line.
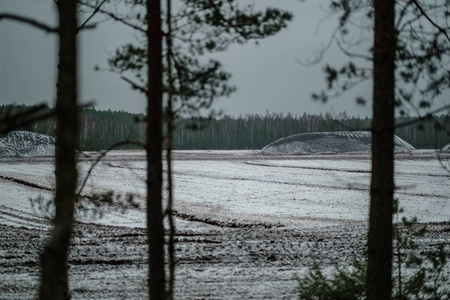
98,129
256,131
101,129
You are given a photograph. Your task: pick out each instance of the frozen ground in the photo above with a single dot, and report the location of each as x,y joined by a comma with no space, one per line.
248,224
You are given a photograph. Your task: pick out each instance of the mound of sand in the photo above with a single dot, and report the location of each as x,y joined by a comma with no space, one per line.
26,144
326,142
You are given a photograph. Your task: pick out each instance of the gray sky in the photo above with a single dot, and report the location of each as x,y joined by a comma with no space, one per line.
267,76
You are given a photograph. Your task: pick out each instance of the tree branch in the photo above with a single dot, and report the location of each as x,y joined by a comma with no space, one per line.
37,24
423,12
103,154
114,17
351,54
96,10
134,85
25,118
29,21
228,22
428,116
322,51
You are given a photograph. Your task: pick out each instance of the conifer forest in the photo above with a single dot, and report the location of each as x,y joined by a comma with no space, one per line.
101,129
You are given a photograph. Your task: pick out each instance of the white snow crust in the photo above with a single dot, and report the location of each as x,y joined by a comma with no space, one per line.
249,188
326,142
26,144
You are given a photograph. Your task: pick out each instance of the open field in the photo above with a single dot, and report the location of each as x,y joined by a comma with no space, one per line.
248,225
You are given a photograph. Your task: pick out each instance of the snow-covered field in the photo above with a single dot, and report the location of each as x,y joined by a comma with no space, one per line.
248,224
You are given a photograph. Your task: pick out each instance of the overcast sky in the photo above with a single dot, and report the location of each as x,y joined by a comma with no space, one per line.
268,76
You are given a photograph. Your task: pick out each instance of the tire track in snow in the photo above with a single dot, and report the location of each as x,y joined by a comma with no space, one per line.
308,168
19,217
26,183
309,185
187,217
338,169
233,224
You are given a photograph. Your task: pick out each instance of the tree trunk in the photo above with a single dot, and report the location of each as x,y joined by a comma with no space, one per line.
54,265
379,272
170,130
156,278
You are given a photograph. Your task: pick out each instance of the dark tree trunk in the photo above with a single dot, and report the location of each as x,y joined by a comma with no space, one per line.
54,272
379,272
169,146
156,278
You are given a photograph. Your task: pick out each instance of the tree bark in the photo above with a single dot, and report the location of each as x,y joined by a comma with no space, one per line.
54,261
169,146
379,272
156,277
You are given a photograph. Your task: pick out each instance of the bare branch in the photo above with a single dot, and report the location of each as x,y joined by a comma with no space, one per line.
82,26
441,126
37,24
10,123
402,14
113,16
322,51
428,116
29,21
102,155
134,85
441,158
351,54
423,12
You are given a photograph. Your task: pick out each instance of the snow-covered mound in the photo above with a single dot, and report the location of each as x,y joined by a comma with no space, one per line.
323,142
26,144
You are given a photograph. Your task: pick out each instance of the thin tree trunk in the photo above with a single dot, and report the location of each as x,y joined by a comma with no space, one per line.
379,272
170,129
156,277
54,261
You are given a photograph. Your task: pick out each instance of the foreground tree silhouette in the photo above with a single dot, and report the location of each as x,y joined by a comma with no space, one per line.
155,229
54,266
379,269
54,283
410,60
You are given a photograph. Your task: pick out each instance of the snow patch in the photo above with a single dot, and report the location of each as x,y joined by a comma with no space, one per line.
323,142
26,144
